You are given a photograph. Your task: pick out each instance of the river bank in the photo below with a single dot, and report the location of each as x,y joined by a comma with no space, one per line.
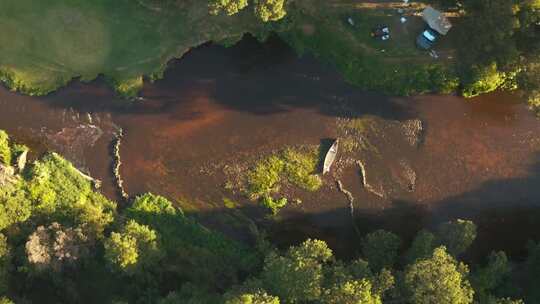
79,41
475,160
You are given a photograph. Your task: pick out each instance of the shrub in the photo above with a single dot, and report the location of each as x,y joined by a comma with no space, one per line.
457,235
60,193
483,80
293,166
274,204
381,249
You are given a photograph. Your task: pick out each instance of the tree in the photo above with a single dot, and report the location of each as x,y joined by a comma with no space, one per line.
4,300
528,36
55,247
5,151
297,276
483,79
494,45
359,269
487,60
351,292
198,255
192,294
439,279
486,279
228,7
457,235
58,191
381,249
270,10
529,79
4,264
15,207
422,247
259,297
133,248
384,281
153,204
533,272
340,275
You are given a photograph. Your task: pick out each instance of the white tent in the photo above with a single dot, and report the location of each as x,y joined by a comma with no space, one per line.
436,20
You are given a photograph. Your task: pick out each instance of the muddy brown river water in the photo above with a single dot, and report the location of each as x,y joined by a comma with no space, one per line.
218,107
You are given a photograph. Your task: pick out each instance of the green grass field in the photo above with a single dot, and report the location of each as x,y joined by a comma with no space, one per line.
45,44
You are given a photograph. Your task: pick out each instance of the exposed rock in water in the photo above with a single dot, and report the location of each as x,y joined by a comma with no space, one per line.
71,142
409,175
117,163
362,172
413,129
350,198
95,182
347,193
367,186
21,160
404,175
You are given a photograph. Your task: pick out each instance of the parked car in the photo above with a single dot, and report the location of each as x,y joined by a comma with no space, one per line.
381,32
427,39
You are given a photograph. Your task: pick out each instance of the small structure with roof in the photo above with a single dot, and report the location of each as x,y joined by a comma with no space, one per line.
436,20
438,25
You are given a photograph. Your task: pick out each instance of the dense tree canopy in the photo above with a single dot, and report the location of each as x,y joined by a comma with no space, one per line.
265,10
259,297
229,7
133,248
486,279
270,10
438,280
381,249
421,247
351,292
5,150
54,247
58,191
298,275
457,235
5,256
533,271
498,40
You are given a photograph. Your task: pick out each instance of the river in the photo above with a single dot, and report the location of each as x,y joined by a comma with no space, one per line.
217,107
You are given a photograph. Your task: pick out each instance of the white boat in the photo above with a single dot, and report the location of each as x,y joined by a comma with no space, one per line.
330,157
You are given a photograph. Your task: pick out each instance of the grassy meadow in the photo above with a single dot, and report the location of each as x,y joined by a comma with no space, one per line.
45,44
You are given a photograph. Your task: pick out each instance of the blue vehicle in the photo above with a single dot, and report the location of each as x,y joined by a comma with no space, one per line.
427,39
